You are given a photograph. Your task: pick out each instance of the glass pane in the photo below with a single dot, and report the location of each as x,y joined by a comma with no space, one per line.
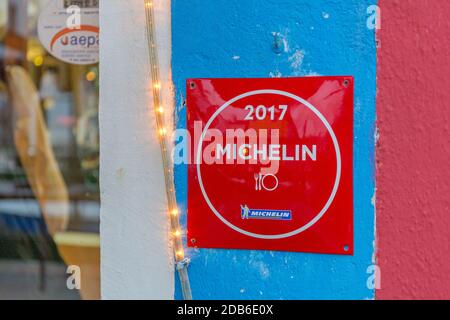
49,165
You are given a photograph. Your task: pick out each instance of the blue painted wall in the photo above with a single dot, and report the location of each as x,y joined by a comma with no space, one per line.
235,38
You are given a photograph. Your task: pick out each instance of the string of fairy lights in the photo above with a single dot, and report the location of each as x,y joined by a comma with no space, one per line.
176,232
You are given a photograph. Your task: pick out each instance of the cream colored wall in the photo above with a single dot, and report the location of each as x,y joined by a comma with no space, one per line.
136,260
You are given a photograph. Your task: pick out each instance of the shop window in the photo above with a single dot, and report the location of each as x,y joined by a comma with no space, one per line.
49,165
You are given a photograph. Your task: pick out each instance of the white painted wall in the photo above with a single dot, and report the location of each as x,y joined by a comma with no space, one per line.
136,259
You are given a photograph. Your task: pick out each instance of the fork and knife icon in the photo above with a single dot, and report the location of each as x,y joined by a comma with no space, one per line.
260,182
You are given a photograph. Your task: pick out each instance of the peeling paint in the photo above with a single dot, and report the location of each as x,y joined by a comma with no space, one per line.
296,59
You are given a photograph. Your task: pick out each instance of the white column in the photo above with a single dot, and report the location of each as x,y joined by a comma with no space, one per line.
136,258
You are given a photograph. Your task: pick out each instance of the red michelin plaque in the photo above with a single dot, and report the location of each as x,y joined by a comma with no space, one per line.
271,164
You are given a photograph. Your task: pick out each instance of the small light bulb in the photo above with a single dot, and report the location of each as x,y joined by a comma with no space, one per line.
162,132
177,233
91,76
157,85
161,110
175,212
180,254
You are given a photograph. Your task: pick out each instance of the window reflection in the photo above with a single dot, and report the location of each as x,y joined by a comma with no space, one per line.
49,164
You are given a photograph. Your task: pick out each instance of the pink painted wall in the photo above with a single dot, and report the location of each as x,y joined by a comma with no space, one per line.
413,156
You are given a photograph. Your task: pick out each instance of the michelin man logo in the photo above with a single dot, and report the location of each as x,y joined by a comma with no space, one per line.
244,212
247,213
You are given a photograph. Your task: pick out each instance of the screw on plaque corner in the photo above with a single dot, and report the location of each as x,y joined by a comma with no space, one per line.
346,83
